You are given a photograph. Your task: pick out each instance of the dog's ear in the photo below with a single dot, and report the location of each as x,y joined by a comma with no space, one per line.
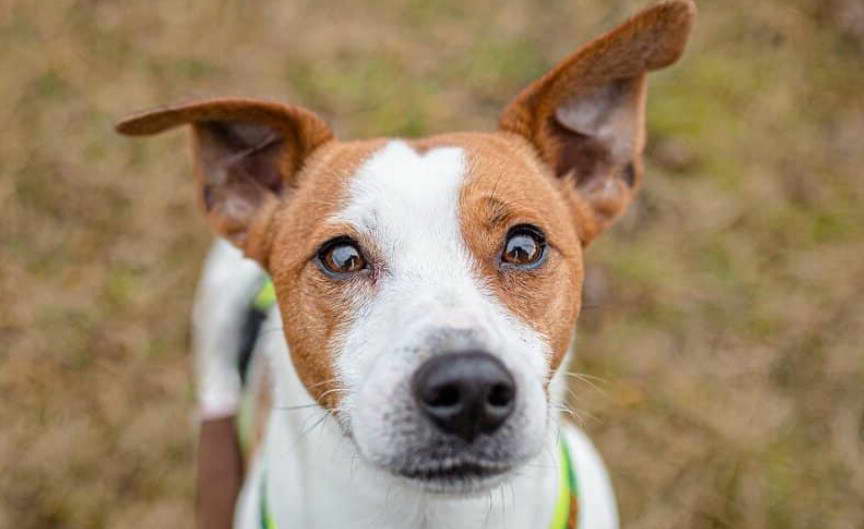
586,117
247,153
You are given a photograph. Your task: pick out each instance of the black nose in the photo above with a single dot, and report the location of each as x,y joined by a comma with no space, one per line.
465,394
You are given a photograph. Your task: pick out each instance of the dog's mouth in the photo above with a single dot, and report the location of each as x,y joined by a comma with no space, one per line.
454,477
458,472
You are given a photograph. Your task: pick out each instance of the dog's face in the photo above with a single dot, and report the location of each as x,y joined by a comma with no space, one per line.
454,251
429,288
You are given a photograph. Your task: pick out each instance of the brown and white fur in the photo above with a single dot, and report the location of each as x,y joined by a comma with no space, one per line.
430,217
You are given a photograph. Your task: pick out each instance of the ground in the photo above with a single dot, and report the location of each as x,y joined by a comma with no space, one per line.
722,338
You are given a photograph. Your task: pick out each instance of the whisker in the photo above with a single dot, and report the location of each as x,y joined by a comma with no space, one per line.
297,407
586,376
568,411
334,390
323,382
580,418
488,510
319,422
576,416
588,380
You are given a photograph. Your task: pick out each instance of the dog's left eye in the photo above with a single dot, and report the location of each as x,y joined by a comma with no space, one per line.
340,257
525,247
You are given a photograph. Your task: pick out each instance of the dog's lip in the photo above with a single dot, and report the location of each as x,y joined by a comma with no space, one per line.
460,471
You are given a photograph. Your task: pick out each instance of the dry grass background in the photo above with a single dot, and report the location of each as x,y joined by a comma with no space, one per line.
726,312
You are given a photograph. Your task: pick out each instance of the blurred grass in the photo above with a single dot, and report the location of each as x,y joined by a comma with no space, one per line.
724,314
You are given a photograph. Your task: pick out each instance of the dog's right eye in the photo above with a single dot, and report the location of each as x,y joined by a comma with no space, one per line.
341,257
524,248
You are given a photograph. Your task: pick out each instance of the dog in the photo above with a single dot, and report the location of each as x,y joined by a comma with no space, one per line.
427,293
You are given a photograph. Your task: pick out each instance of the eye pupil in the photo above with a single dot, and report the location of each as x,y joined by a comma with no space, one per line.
523,247
342,258
345,257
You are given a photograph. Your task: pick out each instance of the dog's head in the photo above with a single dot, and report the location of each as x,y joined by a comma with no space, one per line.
429,288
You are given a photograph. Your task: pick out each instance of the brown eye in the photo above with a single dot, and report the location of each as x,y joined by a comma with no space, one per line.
525,247
341,256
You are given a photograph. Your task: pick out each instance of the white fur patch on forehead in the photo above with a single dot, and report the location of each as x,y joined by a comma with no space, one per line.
399,194
408,205
430,298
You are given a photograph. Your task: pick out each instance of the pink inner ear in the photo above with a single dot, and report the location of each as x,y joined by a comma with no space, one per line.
239,151
261,163
607,114
578,154
241,169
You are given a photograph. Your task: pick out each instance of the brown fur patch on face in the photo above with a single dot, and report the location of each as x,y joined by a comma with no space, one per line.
506,185
315,308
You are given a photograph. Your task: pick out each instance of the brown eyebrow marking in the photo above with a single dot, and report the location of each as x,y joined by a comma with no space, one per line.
498,212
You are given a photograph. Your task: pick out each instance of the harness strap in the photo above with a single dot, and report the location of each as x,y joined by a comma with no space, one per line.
266,296
566,506
266,520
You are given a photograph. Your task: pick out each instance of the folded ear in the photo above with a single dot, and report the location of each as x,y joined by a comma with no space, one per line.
586,117
247,156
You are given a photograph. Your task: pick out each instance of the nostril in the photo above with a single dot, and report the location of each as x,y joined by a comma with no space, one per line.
445,396
500,396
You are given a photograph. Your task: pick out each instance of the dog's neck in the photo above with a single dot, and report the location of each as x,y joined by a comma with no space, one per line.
314,477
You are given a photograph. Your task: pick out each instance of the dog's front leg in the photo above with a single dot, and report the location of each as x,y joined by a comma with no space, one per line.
220,310
220,473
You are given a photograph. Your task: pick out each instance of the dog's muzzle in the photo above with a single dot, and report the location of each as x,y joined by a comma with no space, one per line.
456,413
